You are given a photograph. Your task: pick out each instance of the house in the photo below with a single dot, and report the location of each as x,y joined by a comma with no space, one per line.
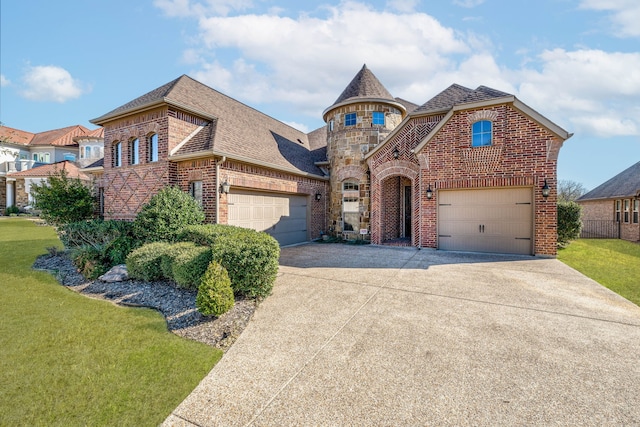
612,209
23,180
21,151
464,171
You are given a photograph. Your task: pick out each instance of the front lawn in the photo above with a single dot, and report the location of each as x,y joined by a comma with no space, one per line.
614,264
66,359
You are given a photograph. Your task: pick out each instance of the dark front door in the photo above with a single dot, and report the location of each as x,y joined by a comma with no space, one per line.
407,211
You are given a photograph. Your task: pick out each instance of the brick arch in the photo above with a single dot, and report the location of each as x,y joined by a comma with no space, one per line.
152,127
352,171
482,115
397,167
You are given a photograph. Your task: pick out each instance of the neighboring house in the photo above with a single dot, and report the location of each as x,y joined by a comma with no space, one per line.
21,151
90,147
464,171
23,180
612,209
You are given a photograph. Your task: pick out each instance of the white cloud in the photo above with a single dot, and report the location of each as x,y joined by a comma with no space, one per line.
402,5
4,81
625,15
51,83
595,91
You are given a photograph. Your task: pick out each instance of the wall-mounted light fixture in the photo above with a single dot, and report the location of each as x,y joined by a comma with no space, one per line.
396,153
225,187
318,196
429,192
545,189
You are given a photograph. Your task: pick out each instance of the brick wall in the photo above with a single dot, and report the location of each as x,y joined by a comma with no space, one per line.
523,154
605,210
255,178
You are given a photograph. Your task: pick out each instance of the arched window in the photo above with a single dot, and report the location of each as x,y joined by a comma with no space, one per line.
117,154
350,206
87,152
153,147
134,152
481,133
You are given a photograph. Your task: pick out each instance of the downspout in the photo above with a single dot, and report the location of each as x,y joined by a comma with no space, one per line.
218,162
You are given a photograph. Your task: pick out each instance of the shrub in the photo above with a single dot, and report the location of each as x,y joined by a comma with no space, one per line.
215,296
206,234
62,200
145,262
12,210
89,261
569,224
167,261
251,259
166,214
115,238
189,266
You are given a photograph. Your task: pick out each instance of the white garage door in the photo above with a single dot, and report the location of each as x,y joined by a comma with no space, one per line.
492,220
283,216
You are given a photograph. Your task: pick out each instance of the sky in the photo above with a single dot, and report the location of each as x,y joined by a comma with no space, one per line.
577,62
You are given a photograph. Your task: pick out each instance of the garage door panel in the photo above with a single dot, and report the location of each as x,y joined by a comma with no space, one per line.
486,220
282,216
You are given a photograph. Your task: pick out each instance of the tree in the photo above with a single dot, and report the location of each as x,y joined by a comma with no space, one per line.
166,214
569,191
62,200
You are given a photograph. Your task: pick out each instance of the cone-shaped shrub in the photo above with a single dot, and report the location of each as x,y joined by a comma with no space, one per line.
215,296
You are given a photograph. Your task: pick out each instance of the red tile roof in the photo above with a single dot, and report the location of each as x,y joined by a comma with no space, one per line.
51,169
15,136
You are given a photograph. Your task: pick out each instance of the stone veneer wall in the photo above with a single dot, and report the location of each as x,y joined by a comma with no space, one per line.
346,148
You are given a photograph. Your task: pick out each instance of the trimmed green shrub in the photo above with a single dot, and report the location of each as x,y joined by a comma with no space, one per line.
166,263
145,262
189,266
215,296
12,210
166,214
569,223
89,260
206,234
251,259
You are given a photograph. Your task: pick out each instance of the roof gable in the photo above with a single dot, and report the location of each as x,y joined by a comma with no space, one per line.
15,136
59,137
625,184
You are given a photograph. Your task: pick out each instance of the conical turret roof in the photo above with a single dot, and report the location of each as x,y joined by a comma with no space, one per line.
364,85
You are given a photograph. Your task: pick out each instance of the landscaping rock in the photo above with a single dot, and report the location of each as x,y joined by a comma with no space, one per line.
117,273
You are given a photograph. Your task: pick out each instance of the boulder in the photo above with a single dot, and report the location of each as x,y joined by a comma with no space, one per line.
117,273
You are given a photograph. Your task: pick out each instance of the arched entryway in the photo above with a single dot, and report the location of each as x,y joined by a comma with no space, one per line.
396,214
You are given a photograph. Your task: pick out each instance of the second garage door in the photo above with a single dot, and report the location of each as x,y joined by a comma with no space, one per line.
487,220
283,216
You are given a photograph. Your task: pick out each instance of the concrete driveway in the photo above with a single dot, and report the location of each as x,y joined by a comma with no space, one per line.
377,336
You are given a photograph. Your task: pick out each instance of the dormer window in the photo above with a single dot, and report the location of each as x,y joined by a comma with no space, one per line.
350,119
378,118
481,133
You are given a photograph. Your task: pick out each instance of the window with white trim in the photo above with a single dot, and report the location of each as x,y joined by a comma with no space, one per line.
636,210
618,204
481,133
350,206
153,147
134,151
195,189
117,155
627,205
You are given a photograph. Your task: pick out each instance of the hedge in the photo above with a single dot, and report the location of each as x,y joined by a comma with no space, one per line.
144,263
189,266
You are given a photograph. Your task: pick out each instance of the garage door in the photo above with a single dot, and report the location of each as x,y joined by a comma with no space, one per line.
493,220
282,216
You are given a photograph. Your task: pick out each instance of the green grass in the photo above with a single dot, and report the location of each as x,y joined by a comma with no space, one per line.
614,264
67,360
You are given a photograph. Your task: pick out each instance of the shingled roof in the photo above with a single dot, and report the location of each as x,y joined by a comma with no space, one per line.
625,184
364,85
457,94
230,127
50,169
